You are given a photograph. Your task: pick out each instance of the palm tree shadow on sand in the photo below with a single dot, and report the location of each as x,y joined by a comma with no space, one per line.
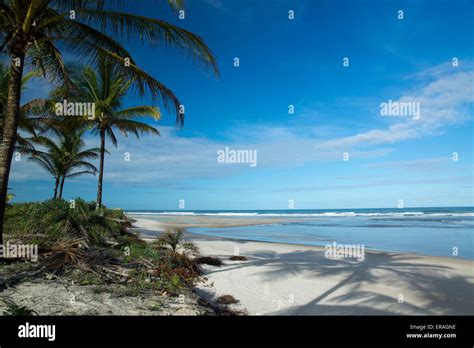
437,289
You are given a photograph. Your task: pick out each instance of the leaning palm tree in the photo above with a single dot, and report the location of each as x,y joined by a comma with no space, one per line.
107,89
37,32
64,158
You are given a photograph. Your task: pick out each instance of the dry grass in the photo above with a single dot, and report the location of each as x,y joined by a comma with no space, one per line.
67,251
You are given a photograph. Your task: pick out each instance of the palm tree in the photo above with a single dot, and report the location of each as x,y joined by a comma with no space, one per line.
64,158
37,31
27,123
107,89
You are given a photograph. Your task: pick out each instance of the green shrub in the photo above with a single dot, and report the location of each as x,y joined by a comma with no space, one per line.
145,251
56,219
174,240
116,214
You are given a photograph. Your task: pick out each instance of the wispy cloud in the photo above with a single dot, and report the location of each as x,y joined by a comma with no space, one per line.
444,101
428,164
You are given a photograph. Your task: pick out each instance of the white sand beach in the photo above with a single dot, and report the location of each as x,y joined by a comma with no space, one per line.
288,279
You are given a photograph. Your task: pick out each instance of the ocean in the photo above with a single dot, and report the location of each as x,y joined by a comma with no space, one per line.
446,231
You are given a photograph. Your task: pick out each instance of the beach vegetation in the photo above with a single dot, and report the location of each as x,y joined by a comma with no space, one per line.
36,34
59,223
174,239
93,247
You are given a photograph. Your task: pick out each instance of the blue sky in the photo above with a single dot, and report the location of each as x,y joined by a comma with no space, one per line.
337,109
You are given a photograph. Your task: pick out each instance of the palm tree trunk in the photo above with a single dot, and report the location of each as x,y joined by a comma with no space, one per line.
10,125
61,187
56,184
101,168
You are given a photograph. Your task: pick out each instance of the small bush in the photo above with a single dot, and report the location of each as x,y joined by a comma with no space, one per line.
174,240
139,250
208,260
159,268
237,258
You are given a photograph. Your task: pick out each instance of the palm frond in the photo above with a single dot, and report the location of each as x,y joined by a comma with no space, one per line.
47,58
139,111
127,26
83,172
110,134
135,127
44,163
89,154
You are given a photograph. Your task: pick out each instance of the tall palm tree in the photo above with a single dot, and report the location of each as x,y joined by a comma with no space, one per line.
107,89
37,31
64,158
